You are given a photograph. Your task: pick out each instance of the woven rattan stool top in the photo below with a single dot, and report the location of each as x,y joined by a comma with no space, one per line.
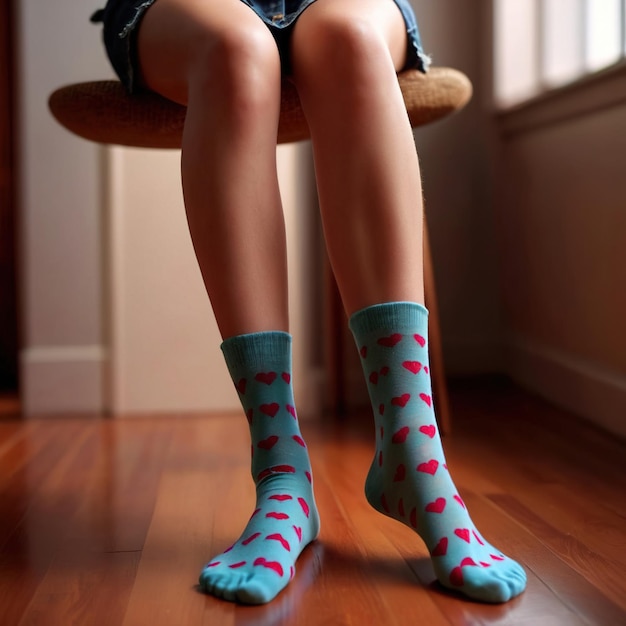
103,112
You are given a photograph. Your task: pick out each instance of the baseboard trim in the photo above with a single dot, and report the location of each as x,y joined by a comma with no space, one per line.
62,379
582,387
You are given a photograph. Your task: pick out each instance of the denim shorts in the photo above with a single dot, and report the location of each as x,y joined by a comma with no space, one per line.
121,18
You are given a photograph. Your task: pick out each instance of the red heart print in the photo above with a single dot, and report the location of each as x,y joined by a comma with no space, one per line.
270,409
384,371
437,506
292,411
363,352
413,366
381,409
266,377
273,565
426,369
426,398
468,561
281,497
276,469
382,432
420,340
391,341
277,515
308,476
304,505
380,458
255,512
241,385
229,549
429,430
463,533
299,440
480,541
458,498
402,400
428,468
249,414
298,532
496,558
212,564
283,542
400,435
441,549
374,378
401,507
400,474
236,565
269,443
250,539
485,564
456,577
413,517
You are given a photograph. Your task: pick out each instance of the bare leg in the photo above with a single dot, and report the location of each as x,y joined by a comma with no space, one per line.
345,53
365,159
230,80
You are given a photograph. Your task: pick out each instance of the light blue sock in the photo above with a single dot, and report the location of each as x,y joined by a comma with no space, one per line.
409,478
262,561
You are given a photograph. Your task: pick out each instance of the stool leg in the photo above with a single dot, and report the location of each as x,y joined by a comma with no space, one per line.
440,388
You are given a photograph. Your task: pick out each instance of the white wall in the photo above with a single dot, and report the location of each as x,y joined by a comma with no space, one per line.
63,354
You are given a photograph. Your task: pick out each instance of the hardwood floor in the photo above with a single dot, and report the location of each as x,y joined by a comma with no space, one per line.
107,522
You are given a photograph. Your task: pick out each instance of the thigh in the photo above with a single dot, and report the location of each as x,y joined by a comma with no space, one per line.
174,34
382,16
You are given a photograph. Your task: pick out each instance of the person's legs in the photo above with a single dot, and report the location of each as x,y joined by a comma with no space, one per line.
219,59
370,197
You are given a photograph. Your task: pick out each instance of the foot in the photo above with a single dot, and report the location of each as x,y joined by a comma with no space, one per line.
262,561
409,478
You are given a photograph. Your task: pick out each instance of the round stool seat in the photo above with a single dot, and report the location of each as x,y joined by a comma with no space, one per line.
102,111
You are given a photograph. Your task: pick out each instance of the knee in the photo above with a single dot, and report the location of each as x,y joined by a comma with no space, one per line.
238,71
340,50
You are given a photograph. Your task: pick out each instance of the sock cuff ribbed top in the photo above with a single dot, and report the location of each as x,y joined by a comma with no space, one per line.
257,351
401,316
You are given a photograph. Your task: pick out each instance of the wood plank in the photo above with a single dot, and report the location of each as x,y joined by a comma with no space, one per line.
97,544
590,584
34,513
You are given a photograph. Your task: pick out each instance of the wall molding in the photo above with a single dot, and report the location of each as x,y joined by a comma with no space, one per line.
578,385
62,379
592,93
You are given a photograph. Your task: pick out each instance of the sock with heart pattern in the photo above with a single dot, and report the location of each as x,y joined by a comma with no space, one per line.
262,561
409,478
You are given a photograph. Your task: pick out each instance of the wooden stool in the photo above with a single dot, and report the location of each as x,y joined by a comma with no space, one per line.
102,111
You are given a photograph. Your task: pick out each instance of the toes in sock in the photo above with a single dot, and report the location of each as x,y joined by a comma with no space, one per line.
409,478
262,561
